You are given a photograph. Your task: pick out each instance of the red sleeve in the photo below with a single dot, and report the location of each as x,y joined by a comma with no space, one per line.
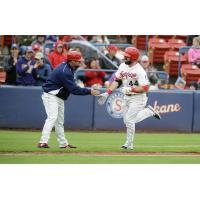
145,87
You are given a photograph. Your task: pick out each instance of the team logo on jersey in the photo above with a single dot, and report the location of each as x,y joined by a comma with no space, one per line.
114,105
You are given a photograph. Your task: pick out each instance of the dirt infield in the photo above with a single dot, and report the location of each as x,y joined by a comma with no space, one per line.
173,154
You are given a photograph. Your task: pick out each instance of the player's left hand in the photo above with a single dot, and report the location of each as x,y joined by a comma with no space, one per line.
126,90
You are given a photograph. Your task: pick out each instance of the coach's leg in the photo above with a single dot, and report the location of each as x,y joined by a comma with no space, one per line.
51,107
59,125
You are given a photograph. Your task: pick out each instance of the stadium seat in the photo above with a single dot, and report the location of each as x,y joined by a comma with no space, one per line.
190,73
141,42
181,37
157,49
175,44
165,37
171,59
189,67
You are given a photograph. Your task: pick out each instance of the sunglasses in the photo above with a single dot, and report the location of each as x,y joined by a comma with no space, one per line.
60,47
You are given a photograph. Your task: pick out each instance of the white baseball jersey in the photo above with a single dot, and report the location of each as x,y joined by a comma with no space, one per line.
132,76
134,110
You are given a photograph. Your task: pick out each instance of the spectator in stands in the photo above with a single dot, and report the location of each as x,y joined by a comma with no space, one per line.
51,39
153,82
36,48
94,78
194,52
57,56
24,40
22,50
40,39
146,65
194,85
10,65
67,38
41,70
131,39
100,39
180,83
112,50
190,39
24,68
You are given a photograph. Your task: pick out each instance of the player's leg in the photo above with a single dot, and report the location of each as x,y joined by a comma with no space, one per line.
136,105
51,107
145,112
130,126
59,125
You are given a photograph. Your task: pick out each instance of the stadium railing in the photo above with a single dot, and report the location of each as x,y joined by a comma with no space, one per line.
161,75
182,50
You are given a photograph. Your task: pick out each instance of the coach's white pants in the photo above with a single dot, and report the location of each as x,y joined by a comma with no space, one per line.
134,112
54,107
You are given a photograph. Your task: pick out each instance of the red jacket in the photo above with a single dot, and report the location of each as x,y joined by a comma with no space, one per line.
56,58
94,78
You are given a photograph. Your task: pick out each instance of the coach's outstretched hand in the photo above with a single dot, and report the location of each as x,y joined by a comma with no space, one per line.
102,98
95,92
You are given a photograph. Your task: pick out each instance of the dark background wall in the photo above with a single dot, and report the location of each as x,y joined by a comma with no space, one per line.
21,107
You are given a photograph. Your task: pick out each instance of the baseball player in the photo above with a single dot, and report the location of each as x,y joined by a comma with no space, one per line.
135,86
57,89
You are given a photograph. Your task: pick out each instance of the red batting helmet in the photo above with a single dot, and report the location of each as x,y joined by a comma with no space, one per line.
74,56
132,53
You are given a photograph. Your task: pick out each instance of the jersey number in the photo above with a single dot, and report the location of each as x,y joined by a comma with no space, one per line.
135,83
131,83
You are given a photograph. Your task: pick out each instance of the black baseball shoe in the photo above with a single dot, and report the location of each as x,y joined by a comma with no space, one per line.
43,145
69,146
127,147
156,114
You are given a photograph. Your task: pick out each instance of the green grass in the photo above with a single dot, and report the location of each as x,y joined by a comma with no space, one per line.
21,147
69,159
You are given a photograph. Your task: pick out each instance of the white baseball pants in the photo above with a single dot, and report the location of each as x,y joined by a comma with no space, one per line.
54,107
134,112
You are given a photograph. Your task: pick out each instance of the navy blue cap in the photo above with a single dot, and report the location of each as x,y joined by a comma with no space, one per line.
29,49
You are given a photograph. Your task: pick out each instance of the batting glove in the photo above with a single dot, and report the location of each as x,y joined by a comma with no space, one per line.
102,98
126,90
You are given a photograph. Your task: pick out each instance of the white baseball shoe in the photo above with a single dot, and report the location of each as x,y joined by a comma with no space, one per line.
156,114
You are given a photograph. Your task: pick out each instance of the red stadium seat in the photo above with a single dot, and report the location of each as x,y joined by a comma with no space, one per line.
181,37
175,44
171,59
165,37
188,67
170,54
157,49
141,41
190,73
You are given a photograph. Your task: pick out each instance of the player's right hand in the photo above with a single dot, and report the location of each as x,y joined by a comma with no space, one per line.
126,90
102,98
